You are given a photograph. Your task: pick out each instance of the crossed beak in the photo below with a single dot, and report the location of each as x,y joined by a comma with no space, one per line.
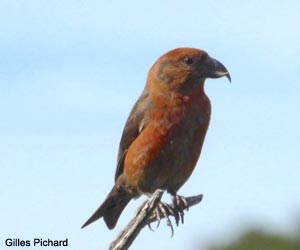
215,69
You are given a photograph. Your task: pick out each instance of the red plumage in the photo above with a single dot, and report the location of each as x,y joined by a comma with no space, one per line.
165,131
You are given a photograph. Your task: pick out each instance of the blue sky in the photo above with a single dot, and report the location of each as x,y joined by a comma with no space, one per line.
70,72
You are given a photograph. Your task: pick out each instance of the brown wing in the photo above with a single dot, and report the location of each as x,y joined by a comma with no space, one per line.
133,127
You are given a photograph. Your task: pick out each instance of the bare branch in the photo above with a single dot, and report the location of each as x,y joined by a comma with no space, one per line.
146,214
134,227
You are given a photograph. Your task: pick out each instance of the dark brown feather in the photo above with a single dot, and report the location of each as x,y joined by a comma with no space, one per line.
133,127
112,207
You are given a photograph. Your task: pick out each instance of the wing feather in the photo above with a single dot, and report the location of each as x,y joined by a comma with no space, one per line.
135,123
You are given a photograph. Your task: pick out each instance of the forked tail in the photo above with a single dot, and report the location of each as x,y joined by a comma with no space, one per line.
112,207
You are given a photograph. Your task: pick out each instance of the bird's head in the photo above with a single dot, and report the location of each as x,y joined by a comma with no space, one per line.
184,68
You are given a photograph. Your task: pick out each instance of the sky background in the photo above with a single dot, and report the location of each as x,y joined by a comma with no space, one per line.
70,71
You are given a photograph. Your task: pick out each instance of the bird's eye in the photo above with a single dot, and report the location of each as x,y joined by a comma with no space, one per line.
188,60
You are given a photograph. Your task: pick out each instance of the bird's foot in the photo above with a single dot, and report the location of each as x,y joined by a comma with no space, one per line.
177,208
164,210
180,204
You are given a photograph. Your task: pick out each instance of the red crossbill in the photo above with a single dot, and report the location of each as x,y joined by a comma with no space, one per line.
165,131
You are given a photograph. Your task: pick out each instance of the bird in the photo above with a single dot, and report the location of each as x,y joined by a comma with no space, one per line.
165,131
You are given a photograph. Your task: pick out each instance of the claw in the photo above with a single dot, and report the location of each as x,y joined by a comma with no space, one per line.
158,217
180,204
149,225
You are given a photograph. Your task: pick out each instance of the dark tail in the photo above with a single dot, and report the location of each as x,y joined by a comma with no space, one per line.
112,207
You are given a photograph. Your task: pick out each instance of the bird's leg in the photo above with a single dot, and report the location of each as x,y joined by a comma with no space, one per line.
180,204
